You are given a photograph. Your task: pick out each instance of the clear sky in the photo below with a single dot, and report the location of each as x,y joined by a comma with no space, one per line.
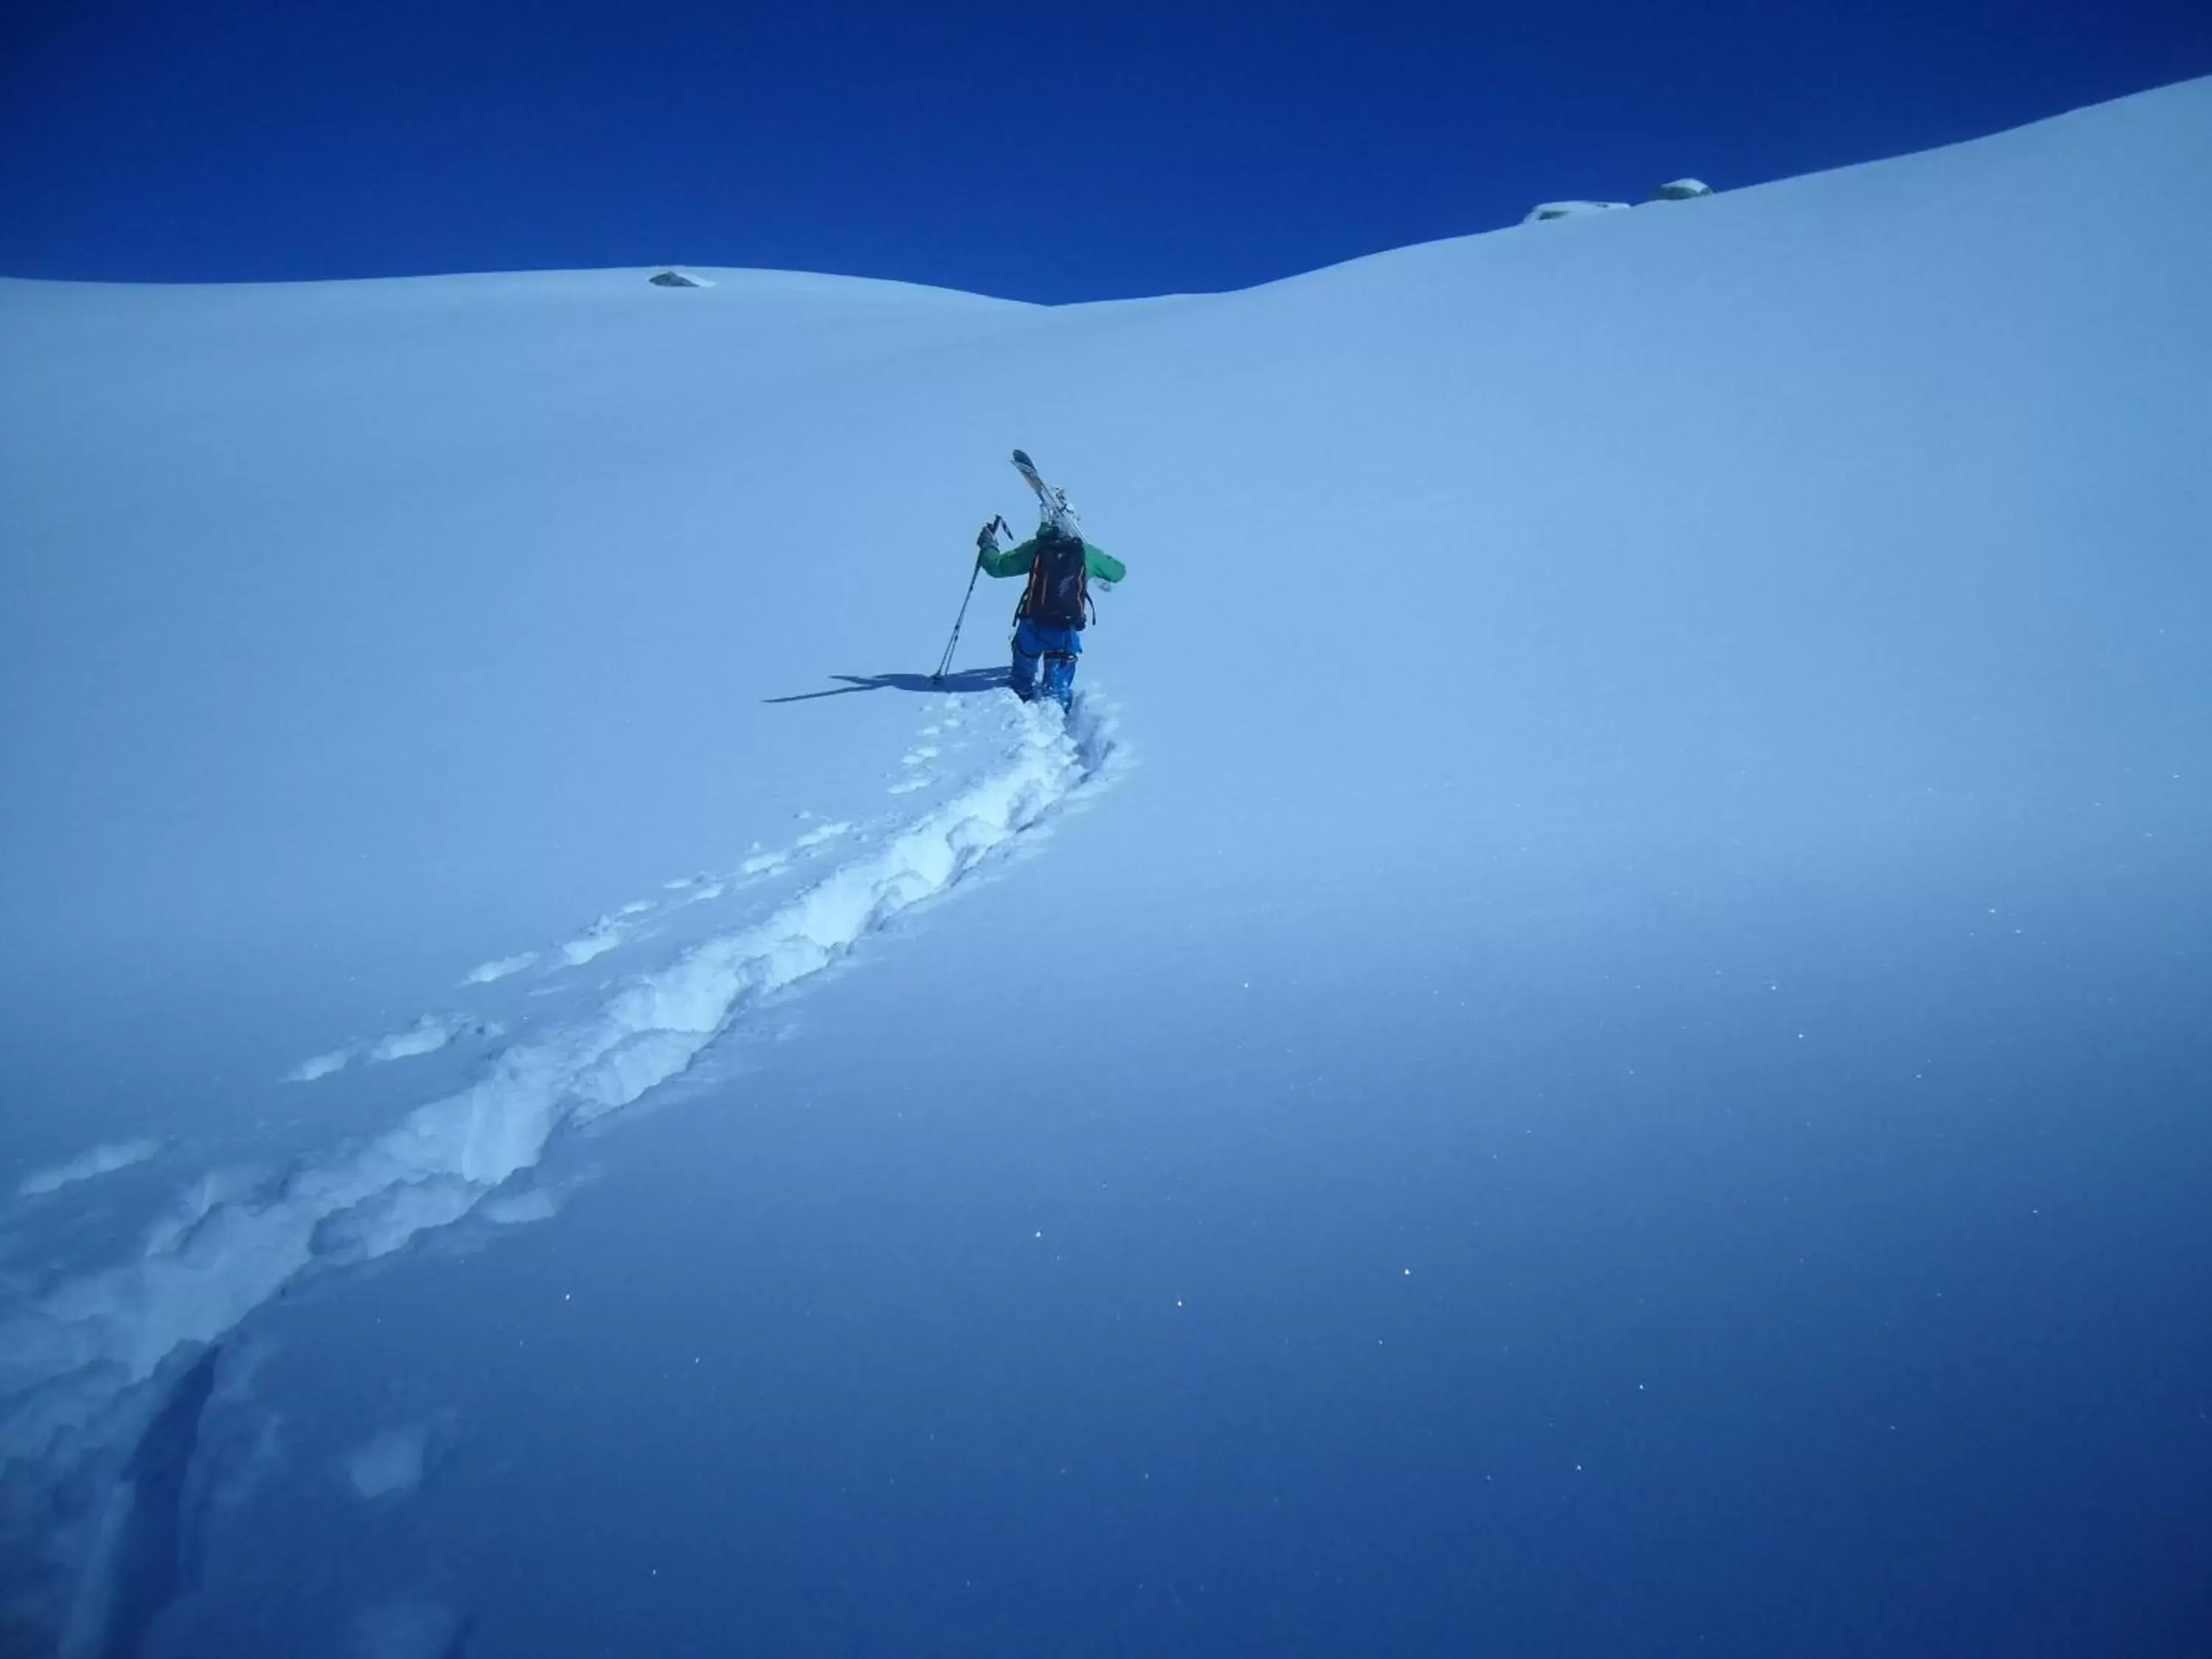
1045,152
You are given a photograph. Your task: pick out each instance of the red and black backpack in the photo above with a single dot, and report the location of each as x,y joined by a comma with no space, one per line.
1058,594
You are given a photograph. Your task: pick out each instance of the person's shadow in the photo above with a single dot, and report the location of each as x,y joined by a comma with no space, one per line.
968,680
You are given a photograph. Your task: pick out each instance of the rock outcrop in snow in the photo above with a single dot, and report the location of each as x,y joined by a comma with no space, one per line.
1543,210
1678,189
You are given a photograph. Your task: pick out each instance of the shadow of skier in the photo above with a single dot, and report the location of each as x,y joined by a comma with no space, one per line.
968,680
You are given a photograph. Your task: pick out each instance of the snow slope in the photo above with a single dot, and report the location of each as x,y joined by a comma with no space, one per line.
413,755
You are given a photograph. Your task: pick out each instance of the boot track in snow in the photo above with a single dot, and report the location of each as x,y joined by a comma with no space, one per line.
72,1356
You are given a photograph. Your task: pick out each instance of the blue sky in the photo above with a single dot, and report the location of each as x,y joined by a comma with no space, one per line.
1047,153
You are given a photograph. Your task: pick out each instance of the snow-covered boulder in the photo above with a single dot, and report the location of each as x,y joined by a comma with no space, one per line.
1683,189
676,279
1543,210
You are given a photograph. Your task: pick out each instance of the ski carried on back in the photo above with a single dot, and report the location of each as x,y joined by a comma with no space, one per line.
1054,501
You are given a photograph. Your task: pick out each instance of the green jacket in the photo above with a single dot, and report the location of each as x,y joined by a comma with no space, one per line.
1016,560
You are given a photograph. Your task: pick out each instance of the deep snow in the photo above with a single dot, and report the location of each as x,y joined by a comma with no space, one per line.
1617,1063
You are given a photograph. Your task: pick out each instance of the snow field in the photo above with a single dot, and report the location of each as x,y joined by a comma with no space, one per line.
1832,539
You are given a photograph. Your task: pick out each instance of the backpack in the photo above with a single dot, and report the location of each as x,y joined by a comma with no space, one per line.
1060,581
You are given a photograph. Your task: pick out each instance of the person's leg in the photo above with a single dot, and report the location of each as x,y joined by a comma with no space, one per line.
1060,676
1022,676
1067,645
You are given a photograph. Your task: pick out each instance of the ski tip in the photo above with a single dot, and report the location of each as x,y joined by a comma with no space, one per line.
1022,459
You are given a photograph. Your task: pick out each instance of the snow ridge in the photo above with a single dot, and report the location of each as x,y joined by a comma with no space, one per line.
103,1159
426,1036
233,1242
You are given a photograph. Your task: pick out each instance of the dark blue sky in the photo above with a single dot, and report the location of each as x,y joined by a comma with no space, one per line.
1046,152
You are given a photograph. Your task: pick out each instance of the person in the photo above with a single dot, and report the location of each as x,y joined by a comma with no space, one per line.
1056,601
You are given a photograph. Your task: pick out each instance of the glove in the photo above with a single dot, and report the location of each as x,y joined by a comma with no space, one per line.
987,538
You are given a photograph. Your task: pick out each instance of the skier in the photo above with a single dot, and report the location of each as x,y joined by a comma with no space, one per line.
1048,621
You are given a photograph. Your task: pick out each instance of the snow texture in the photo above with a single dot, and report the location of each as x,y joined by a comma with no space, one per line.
425,1036
100,1160
396,1460
409,1628
505,967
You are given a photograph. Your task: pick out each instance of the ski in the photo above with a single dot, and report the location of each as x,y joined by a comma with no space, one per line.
1054,501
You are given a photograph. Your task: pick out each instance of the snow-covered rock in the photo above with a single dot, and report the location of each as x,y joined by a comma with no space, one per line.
1682,189
1543,210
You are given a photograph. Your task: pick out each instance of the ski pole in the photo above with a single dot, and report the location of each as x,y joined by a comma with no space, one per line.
945,663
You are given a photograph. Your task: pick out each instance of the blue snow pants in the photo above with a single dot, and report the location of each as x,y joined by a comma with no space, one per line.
1057,649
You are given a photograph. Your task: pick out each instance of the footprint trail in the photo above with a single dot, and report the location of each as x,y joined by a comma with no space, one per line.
234,1239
